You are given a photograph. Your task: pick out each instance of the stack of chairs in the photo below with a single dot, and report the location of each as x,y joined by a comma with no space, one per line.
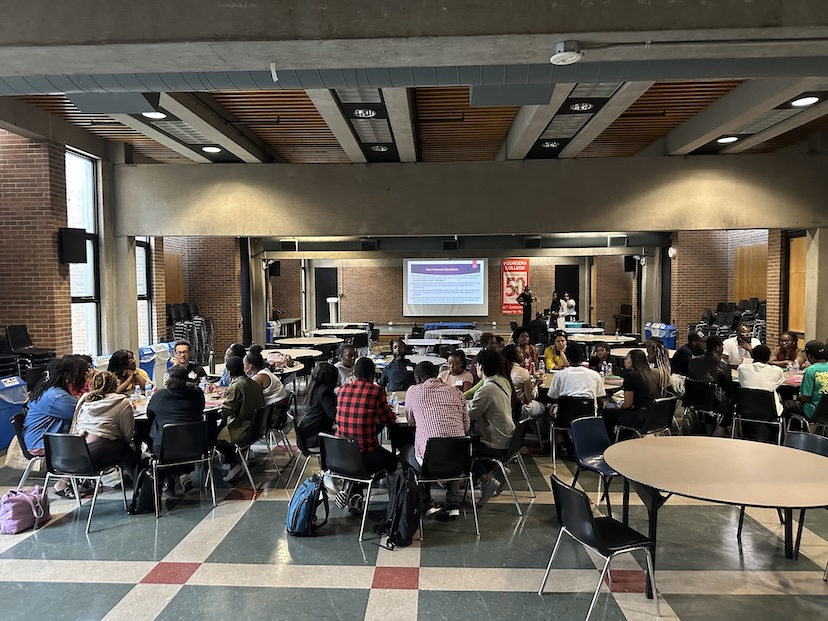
30,357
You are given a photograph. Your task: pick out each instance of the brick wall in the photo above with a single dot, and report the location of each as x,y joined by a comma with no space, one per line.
286,288
35,288
212,277
776,254
613,287
159,290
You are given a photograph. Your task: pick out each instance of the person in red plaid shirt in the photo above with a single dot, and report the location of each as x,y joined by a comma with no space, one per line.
438,411
361,411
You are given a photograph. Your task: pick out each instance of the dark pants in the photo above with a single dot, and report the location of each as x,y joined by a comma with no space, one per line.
106,453
380,459
408,458
628,418
481,450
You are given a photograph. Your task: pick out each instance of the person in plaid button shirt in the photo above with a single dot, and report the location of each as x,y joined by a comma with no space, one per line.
438,411
359,405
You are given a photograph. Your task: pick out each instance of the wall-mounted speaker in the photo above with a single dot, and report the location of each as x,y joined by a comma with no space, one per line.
450,244
616,241
368,244
274,269
290,245
532,242
629,264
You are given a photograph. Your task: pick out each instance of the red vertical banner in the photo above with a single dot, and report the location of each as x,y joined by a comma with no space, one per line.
514,274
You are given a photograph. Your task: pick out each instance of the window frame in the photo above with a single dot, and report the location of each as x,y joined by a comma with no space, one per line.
146,244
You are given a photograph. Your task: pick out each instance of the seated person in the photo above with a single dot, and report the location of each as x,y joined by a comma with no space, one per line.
711,368
84,361
236,349
177,402
555,355
788,352
436,410
182,350
51,407
658,357
244,397
526,390
814,380
130,377
106,420
761,376
487,341
362,411
520,337
491,409
694,347
272,388
641,386
399,373
456,374
601,355
538,334
500,343
320,404
738,349
345,366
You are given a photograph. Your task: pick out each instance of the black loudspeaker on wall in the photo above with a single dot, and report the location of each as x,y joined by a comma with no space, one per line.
274,269
532,242
450,244
368,244
288,244
629,264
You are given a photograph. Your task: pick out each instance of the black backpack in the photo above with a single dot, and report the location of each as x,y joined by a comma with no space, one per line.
142,494
402,518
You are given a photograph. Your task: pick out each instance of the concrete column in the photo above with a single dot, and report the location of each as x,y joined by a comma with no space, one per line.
258,296
816,284
650,275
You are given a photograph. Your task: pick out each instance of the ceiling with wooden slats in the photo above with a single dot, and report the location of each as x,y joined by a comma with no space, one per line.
105,127
288,122
664,106
450,130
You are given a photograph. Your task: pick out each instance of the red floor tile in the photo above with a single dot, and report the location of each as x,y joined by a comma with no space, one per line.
396,578
626,580
244,493
170,573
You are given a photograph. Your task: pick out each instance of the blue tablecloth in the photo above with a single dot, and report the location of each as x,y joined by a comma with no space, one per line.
449,325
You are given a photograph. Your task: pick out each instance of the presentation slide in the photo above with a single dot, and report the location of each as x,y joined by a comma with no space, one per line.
445,288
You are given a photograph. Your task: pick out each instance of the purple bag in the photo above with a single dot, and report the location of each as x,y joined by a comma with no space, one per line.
21,510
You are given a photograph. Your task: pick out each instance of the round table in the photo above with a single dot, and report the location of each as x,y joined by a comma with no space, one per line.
609,339
621,352
422,345
336,332
297,366
471,352
733,472
293,353
415,359
578,330
310,341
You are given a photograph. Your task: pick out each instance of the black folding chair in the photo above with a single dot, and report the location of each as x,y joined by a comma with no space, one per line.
183,444
513,455
700,399
813,444
340,457
819,420
756,406
448,459
258,430
605,536
67,456
659,419
569,409
17,425
280,421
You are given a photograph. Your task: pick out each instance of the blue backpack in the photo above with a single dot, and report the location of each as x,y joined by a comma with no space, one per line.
301,516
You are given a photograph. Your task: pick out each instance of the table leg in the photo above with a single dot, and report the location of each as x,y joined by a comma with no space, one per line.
653,500
788,532
625,515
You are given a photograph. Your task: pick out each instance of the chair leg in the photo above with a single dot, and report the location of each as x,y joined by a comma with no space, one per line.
598,588
651,570
799,533
301,472
272,456
156,491
741,521
511,489
75,489
123,487
554,449
26,473
525,474
92,506
607,495
549,565
246,467
474,506
577,474
45,487
365,508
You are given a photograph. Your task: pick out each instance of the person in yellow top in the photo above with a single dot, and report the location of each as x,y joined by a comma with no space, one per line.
555,355
122,364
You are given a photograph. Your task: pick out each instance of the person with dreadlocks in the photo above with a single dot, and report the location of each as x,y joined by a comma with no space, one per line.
659,358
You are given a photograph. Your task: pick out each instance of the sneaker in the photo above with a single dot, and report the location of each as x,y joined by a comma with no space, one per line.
186,483
487,490
232,473
356,504
431,509
453,510
341,499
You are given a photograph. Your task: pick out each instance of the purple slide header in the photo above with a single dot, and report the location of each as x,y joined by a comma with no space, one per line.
446,269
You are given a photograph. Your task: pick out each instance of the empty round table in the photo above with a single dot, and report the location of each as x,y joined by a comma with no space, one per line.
293,353
310,341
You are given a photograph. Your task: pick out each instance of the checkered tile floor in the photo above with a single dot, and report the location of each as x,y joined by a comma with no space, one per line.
236,562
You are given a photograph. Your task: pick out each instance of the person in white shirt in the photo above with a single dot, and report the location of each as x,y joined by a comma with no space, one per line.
569,303
577,380
739,349
761,376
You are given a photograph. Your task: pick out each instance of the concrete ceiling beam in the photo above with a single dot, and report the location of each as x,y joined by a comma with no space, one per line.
400,115
327,107
529,123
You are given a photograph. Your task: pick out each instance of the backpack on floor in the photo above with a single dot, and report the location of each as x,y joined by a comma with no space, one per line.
142,494
302,520
402,518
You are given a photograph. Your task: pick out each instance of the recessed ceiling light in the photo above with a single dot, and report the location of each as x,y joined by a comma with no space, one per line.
581,106
155,116
802,102
727,139
550,144
365,113
566,53
379,148
211,149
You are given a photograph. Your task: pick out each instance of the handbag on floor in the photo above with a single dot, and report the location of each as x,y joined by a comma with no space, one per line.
301,516
21,510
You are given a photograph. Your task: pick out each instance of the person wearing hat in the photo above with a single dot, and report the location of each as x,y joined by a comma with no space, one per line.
814,380
695,347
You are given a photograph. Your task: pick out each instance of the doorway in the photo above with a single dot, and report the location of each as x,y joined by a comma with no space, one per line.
567,280
325,286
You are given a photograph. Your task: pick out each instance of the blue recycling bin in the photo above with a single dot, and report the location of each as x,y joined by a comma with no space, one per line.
12,397
665,332
146,359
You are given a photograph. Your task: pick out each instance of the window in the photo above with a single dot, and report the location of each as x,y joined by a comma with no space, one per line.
144,280
84,278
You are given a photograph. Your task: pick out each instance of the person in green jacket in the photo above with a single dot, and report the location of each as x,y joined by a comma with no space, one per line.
244,397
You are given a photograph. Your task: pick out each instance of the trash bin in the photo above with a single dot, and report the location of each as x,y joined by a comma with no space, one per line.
271,331
12,397
146,360
665,332
163,356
